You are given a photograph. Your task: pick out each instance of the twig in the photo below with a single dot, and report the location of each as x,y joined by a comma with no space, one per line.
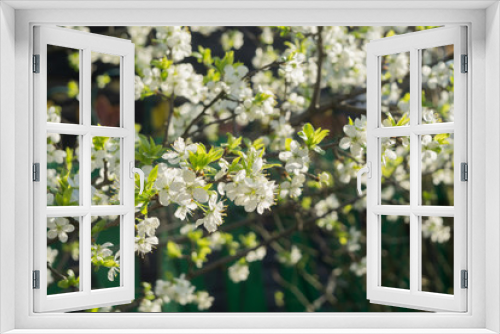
314,106
200,115
169,118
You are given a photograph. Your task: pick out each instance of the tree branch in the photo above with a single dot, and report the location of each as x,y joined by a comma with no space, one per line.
200,115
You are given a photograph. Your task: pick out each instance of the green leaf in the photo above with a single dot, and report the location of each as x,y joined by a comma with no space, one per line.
173,250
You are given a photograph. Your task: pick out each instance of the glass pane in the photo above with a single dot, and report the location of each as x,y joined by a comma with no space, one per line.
63,81
437,254
395,170
63,255
395,242
437,84
105,171
105,89
395,89
105,252
437,169
63,166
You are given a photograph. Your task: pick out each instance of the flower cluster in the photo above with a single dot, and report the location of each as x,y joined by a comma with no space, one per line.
146,239
182,292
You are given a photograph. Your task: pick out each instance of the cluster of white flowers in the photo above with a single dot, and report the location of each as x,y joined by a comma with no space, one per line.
290,258
232,39
238,272
329,221
250,188
260,107
256,255
325,205
437,76
344,61
356,137
182,292
146,238
99,254
296,159
106,158
51,257
294,102
213,215
437,159
359,268
232,83
264,56
354,240
346,171
205,30
434,228
398,65
150,306
325,209
282,131
293,70
177,40
293,188
179,79
182,187
184,115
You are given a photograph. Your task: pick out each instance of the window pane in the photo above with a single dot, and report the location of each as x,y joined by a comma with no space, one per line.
63,166
395,244
105,89
437,254
395,89
63,81
105,171
63,255
437,169
105,252
437,84
395,170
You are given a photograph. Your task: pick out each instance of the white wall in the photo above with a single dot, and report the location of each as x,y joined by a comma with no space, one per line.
492,63
7,159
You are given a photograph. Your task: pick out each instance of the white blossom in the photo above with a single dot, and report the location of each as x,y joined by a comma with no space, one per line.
293,188
238,272
59,228
356,137
296,159
213,216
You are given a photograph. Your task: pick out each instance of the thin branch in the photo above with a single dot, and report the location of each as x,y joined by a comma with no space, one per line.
293,289
200,115
314,106
169,118
263,68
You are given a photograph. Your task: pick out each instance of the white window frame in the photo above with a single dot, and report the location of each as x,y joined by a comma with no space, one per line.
484,102
414,297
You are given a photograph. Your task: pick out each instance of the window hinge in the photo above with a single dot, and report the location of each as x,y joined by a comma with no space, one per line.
36,279
464,171
465,64
36,172
36,63
464,279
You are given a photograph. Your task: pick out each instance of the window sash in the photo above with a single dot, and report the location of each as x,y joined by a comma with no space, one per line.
414,298
86,297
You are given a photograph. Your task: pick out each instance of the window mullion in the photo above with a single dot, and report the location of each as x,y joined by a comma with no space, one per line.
85,176
414,172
